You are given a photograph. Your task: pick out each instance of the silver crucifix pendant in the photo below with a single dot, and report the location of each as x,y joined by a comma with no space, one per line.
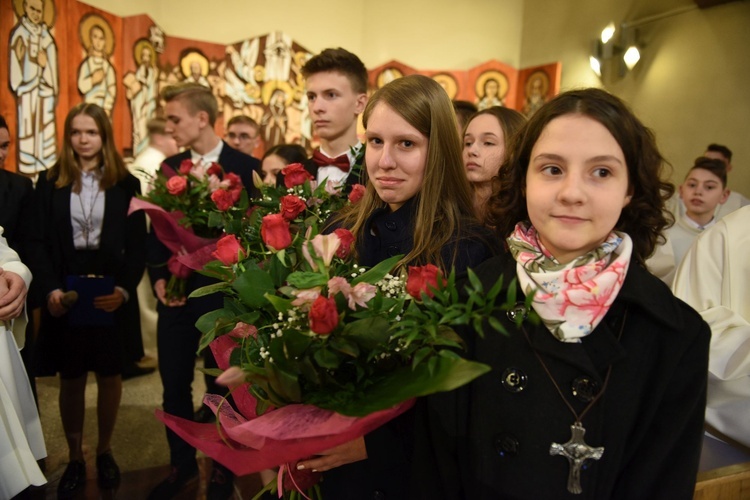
577,452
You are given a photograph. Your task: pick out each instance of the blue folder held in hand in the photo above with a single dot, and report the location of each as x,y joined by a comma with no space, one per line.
83,312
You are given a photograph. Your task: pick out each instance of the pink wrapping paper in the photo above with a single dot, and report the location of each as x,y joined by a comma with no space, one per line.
193,251
285,435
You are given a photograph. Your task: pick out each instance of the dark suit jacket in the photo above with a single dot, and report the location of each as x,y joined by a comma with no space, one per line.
230,160
16,210
122,250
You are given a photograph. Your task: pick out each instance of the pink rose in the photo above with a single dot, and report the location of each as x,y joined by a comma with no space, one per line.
176,185
223,199
232,377
361,294
421,278
304,298
324,316
274,230
177,268
295,174
185,166
334,188
358,191
228,250
292,206
243,330
347,239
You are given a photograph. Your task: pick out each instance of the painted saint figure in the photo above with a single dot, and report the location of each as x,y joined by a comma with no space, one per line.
141,91
96,76
34,79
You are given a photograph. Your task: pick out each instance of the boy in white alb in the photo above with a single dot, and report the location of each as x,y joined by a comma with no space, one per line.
704,188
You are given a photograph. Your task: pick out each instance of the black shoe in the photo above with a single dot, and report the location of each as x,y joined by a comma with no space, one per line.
134,370
204,415
221,486
178,478
107,471
72,479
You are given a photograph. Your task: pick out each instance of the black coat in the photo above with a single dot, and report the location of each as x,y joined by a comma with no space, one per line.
490,440
16,210
385,475
122,254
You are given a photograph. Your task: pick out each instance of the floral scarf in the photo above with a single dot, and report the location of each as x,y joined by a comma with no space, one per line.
572,298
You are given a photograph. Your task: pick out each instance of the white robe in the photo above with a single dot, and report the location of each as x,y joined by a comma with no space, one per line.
21,437
714,278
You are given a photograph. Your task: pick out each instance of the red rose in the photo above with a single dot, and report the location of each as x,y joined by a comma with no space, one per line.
324,316
236,193
228,250
295,174
274,230
185,166
177,268
223,199
234,180
214,169
176,185
421,278
347,239
292,206
358,191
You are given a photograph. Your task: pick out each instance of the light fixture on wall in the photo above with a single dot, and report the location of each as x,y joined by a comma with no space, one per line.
618,48
615,52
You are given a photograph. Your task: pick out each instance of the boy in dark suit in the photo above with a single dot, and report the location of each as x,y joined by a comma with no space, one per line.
191,112
336,89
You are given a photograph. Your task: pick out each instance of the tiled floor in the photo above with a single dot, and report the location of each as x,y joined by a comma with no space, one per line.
139,443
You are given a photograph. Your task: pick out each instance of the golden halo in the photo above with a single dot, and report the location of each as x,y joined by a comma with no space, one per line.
84,31
388,75
270,87
48,17
138,49
300,58
448,83
188,60
538,76
492,74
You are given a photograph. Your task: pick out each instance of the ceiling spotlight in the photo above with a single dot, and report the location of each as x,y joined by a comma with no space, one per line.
608,32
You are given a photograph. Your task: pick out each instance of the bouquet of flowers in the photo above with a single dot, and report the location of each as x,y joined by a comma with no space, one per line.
189,209
319,350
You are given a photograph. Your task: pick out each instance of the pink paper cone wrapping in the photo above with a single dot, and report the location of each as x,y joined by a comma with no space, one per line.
282,436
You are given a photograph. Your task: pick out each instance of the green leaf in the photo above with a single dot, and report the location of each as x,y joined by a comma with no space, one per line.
378,272
281,304
326,359
476,283
369,333
209,289
252,285
215,219
283,383
306,280
295,343
207,322
446,374
497,325
344,346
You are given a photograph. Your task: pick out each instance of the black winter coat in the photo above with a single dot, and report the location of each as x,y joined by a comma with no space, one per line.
491,439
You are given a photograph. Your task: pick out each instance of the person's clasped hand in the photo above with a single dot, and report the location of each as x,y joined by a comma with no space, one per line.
12,295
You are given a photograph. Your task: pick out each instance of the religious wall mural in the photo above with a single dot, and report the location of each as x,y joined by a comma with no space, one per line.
62,52
33,76
96,75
